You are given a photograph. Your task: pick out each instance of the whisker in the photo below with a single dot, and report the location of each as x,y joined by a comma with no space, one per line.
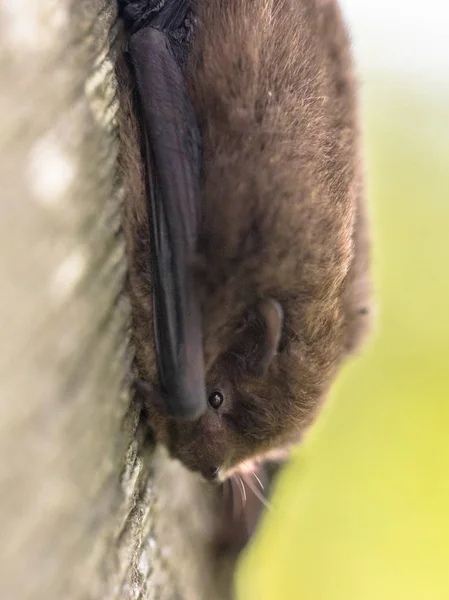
258,494
235,511
242,488
257,478
238,480
254,474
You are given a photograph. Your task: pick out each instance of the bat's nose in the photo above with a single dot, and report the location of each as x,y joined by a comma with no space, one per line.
210,473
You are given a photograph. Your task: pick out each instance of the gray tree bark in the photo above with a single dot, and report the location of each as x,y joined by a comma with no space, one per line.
86,508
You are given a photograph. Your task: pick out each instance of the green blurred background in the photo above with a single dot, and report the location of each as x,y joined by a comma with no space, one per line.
362,511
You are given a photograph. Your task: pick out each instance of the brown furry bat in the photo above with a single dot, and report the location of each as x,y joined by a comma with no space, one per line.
282,260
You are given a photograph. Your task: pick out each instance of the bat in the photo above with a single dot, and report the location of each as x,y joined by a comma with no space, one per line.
279,294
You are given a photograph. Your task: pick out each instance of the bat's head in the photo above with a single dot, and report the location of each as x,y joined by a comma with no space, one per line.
242,420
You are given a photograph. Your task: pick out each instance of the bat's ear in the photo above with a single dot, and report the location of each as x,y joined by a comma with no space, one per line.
259,336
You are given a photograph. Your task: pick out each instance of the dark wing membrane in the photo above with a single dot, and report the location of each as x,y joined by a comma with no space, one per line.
167,15
172,147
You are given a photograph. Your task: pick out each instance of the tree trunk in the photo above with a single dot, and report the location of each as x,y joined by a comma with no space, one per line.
86,509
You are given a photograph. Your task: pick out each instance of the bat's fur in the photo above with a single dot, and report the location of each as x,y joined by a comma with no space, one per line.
283,216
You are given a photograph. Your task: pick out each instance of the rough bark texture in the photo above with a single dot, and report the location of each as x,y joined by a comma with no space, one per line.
86,510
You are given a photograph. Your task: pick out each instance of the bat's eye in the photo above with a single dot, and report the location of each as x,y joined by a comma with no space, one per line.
216,399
